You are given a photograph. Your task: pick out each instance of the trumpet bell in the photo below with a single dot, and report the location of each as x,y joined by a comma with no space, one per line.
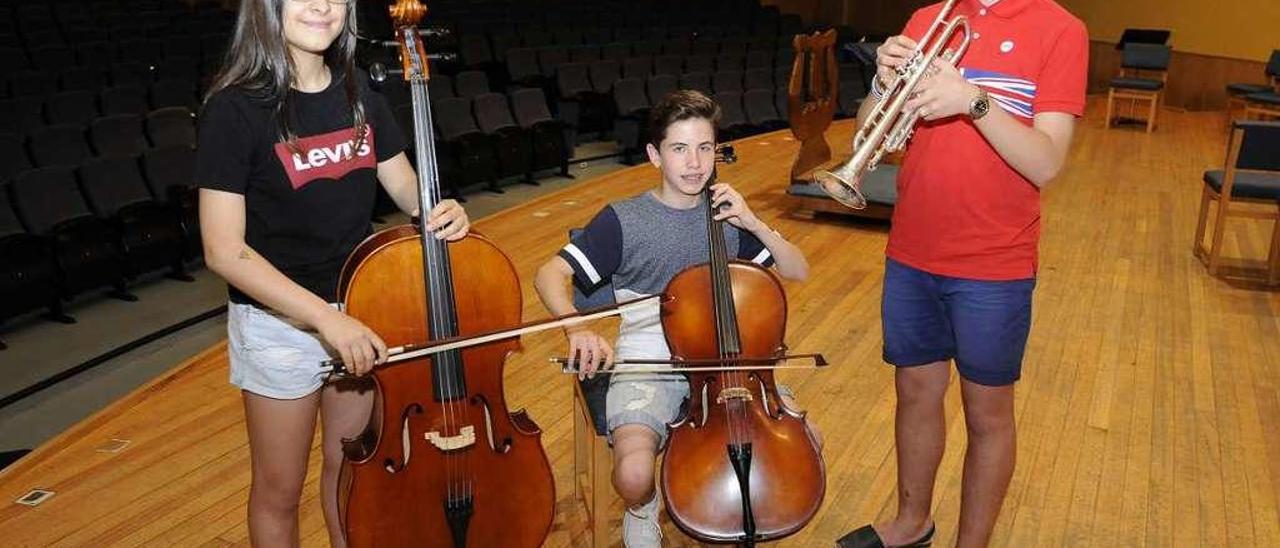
841,188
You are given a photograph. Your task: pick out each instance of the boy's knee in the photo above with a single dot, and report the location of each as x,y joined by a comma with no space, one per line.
633,476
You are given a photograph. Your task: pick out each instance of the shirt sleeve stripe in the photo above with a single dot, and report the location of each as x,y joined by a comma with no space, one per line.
581,258
761,257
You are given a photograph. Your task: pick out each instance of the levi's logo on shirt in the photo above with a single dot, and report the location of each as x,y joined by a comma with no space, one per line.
326,156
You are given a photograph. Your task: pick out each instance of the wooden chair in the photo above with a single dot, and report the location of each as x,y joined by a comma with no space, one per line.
592,457
1262,106
1140,58
1237,92
1251,176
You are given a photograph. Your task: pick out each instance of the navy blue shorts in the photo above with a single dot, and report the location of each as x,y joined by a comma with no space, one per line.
982,325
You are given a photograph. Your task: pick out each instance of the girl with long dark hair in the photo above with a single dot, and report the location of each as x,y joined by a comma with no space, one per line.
292,145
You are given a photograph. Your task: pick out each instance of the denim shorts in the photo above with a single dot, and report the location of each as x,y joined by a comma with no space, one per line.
273,355
651,399
982,325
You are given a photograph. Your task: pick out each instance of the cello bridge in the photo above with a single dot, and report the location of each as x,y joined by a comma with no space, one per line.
735,393
466,438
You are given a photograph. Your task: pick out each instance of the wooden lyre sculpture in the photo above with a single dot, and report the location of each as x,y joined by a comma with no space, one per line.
811,100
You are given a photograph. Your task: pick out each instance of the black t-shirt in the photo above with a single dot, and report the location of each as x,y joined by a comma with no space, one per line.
304,212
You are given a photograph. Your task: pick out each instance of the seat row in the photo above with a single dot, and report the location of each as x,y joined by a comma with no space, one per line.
171,125
115,135
493,136
68,230
24,115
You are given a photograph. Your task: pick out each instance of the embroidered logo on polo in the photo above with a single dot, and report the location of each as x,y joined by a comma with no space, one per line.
325,156
1011,93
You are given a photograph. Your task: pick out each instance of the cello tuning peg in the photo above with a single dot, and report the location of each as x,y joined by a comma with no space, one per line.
378,72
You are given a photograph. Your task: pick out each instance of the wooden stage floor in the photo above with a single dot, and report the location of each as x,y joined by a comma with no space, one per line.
1142,411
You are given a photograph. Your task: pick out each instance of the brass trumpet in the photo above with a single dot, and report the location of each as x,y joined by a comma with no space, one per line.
886,128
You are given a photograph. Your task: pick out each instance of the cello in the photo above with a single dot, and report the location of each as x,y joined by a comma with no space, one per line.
441,462
740,466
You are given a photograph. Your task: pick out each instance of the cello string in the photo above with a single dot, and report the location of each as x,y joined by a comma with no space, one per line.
425,146
718,265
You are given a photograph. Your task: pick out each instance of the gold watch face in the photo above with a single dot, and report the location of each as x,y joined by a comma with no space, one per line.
979,107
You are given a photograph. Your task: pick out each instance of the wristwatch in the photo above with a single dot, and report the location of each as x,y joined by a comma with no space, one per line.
980,105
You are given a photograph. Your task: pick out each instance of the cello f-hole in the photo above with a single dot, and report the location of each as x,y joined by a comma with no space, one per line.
405,442
488,427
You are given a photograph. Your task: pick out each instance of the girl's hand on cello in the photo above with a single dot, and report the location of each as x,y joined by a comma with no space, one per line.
449,221
359,346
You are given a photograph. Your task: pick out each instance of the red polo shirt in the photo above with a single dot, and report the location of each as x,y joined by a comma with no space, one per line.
961,210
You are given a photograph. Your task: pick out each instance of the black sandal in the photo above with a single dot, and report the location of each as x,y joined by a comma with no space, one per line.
867,537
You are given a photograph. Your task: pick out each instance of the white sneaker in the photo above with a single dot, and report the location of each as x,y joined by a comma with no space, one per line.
640,527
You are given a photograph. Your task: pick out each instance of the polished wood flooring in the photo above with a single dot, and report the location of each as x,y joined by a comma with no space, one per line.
1143,409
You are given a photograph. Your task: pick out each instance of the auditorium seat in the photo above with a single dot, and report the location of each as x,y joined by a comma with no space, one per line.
727,80
173,92
585,54
91,79
580,105
631,123
71,107
171,126
659,86
13,157
51,57
668,64
759,59
522,67
28,271
781,101
140,50
466,143
646,47
729,62
550,58
676,46
49,204
470,83
58,145
552,138
512,143
637,67
150,237
598,35
758,78
761,111
700,63
696,80
616,51
118,135
178,68
130,72
439,87
170,176
21,115
603,74
124,99
180,46
733,120
33,83
95,54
